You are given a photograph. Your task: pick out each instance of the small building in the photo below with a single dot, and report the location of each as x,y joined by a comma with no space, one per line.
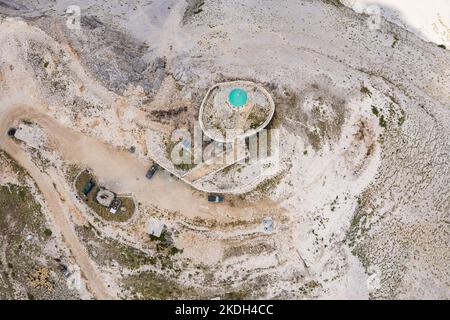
268,224
115,206
155,227
31,134
105,197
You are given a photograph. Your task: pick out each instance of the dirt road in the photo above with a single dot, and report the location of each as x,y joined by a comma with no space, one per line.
121,172
117,170
61,220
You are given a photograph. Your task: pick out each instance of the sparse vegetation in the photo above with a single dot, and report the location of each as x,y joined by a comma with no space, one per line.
71,171
365,91
401,119
268,185
336,3
48,233
164,244
41,162
169,145
106,250
381,119
382,122
309,287
375,111
151,285
394,42
24,235
193,7
237,295
259,248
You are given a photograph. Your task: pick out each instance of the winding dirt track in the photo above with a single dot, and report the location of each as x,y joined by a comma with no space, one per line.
115,169
61,220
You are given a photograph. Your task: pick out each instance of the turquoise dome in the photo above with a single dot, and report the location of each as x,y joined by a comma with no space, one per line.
238,97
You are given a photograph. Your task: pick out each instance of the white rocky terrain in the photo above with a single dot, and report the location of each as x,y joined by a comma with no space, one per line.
431,22
360,202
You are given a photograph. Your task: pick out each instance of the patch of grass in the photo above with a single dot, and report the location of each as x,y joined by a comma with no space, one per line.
270,184
395,41
21,217
237,295
48,233
314,139
151,285
334,203
375,111
72,171
28,122
18,202
6,160
124,213
336,3
309,287
104,250
41,162
164,244
256,117
382,122
193,7
360,226
364,90
253,249
322,128
381,119
285,101
401,120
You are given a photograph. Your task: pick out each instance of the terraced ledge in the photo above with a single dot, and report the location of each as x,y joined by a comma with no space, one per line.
206,183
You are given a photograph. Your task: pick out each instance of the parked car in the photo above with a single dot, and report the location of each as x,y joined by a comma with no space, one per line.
151,171
88,187
212,198
11,132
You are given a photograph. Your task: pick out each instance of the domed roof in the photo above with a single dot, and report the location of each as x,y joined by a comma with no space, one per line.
238,97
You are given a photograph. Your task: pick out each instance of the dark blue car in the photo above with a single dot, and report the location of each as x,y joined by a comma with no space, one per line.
212,198
151,171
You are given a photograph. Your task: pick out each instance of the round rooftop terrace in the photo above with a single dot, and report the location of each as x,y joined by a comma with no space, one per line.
237,109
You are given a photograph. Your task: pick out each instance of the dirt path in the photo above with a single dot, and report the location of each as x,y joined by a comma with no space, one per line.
59,216
115,169
121,172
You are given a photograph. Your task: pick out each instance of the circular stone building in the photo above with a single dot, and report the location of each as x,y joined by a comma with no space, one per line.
237,109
